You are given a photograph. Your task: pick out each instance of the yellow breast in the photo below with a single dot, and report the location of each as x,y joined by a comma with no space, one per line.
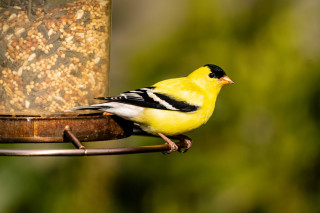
172,122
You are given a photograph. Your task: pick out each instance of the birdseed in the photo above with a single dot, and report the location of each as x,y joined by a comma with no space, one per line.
53,56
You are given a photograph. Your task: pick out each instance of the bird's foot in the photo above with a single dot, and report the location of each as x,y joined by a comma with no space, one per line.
187,143
172,145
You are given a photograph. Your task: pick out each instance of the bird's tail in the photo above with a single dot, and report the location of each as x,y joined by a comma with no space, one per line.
101,107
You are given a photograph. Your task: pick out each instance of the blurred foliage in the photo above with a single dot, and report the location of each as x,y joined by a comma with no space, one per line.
258,153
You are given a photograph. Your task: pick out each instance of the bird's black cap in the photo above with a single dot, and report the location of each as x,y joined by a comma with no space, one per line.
216,70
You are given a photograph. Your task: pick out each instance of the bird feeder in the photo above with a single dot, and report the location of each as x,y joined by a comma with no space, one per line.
54,55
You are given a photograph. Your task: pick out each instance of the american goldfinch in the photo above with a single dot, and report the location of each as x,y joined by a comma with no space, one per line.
170,107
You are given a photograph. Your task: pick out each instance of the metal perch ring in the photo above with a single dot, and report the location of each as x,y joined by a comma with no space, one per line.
82,151
85,128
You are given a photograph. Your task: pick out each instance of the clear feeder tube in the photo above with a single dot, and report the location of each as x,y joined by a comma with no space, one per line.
54,55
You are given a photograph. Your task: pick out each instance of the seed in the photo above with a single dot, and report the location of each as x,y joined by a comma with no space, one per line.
50,32
32,56
27,104
13,16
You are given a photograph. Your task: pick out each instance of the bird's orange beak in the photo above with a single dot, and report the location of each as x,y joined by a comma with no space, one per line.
225,80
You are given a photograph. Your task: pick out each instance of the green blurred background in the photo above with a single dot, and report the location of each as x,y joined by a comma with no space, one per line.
258,153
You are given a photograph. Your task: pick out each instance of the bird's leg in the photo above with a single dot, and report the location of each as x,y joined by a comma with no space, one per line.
172,145
187,143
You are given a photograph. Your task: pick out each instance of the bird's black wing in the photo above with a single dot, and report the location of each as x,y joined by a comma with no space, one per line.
146,97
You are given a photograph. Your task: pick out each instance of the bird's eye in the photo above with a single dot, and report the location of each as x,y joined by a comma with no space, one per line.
212,75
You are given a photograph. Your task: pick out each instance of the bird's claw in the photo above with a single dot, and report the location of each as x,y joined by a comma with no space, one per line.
187,144
172,145
172,148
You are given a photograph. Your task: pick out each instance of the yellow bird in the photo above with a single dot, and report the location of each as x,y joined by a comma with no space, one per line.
170,107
